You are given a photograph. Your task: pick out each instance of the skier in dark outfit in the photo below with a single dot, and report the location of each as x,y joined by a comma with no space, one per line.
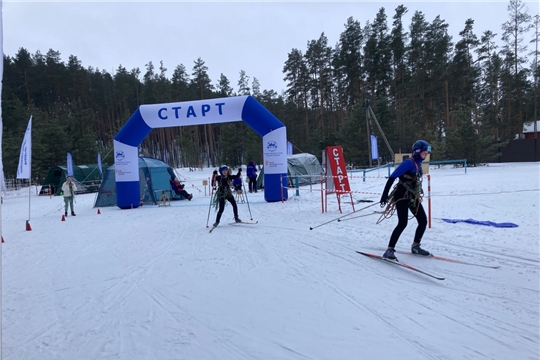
407,195
223,192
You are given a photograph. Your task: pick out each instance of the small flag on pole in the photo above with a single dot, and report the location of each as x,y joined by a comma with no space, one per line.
289,148
374,148
99,163
69,165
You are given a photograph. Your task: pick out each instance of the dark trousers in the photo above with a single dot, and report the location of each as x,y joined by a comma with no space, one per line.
252,184
230,199
402,208
183,192
68,200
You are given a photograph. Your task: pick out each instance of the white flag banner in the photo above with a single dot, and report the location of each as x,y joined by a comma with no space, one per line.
69,165
25,159
99,163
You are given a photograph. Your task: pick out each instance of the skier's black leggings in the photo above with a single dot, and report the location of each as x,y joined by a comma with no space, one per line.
402,208
230,199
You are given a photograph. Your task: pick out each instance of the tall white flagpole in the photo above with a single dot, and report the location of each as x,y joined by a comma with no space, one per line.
29,184
1,169
24,170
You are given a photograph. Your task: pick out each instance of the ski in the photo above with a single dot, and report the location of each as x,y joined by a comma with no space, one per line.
243,222
212,229
450,260
407,266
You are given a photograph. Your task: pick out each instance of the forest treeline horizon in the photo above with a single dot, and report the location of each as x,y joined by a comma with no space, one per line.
467,96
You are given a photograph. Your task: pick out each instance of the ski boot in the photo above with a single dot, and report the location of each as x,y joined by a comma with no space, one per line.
216,224
417,250
237,219
389,254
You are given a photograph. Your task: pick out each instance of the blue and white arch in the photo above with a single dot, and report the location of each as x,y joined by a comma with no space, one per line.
211,111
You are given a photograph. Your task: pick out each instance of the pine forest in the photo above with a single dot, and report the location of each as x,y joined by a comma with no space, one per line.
467,96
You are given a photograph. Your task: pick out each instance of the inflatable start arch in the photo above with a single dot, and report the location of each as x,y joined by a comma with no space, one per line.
211,111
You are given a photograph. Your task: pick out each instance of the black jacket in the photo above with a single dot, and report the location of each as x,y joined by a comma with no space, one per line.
224,183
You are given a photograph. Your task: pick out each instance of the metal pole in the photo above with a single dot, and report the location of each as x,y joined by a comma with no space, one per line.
537,23
247,200
1,169
429,199
30,186
382,133
368,135
322,195
210,207
281,186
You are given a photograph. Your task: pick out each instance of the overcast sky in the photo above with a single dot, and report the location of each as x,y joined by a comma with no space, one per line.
228,36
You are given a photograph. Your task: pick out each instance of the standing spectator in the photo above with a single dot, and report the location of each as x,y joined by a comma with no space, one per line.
147,191
252,176
69,188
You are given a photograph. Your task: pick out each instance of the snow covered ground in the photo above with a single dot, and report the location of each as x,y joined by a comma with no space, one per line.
153,283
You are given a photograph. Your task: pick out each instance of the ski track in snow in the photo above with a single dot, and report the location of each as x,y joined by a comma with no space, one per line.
153,283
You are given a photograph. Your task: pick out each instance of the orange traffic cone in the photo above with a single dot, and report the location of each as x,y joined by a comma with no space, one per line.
63,218
28,227
98,212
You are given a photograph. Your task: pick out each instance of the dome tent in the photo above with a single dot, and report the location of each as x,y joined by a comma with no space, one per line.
158,174
86,177
299,165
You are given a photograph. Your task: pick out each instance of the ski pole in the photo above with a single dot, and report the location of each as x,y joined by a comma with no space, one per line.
209,207
359,216
247,201
342,216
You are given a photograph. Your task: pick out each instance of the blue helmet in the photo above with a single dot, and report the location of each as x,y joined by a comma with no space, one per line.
421,145
223,167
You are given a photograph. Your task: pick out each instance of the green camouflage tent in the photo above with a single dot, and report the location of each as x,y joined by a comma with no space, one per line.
86,177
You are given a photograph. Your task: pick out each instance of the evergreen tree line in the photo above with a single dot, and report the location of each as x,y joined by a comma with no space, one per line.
467,98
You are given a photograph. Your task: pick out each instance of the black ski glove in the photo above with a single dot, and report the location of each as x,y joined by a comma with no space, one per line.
384,197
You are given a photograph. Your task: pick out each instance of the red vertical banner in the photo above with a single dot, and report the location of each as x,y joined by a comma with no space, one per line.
338,169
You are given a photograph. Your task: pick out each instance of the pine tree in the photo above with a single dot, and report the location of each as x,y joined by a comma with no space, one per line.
514,74
348,63
464,73
223,87
243,84
398,91
180,83
201,81
488,96
535,70
256,87
297,78
377,57
318,60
